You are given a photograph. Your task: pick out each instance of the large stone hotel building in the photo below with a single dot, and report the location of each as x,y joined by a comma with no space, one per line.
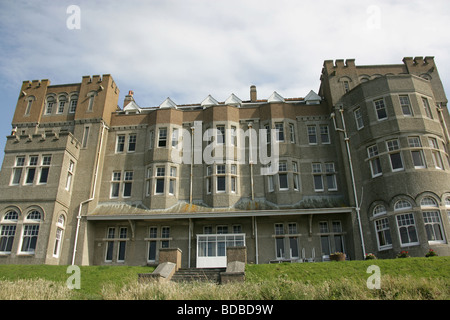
361,166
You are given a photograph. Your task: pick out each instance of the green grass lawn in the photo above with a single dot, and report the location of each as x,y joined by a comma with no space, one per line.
92,277
434,268
266,279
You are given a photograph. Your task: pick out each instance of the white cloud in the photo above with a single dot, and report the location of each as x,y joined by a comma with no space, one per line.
189,49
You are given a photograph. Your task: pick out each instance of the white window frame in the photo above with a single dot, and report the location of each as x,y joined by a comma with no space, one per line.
160,175
132,141
162,137
405,103
324,134
330,173
372,152
30,229
292,132
18,170
70,173
358,119
426,107
407,220
436,153
116,178
380,104
59,236
416,148
279,130
220,173
317,173
312,132
393,147
382,226
282,172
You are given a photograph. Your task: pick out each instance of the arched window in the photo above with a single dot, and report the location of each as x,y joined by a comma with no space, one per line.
49,106
91,95
447,202
432,220
73,103
62,99
11,215
379,210
30,232
8,231
402,205
29,100
383,232
34,215
406,223
59,235
428,202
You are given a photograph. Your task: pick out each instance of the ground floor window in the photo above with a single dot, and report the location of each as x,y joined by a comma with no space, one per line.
433,226
29,239
112,239
331,240
383,233
7,234
157,240
286,239
407,229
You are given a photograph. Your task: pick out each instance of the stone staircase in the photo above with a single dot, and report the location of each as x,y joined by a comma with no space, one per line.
198,274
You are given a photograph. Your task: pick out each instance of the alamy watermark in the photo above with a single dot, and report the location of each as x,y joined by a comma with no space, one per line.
73,22
221,146
374,20
74,281
374,281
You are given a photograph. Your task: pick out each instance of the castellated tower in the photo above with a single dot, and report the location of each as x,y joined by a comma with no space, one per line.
396,121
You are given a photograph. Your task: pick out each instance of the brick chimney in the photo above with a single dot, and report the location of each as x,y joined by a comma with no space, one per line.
128,98
253,96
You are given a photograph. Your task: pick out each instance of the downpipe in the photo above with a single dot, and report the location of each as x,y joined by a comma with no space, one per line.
355,195
77,231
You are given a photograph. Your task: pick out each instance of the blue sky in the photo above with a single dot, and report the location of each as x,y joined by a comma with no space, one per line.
187,49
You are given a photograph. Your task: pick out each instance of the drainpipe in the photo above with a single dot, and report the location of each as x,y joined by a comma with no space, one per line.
445,129
250,159
355,195
92,195
256,240
189,243
192,165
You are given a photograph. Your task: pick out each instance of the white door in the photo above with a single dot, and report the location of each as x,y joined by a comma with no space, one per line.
212,248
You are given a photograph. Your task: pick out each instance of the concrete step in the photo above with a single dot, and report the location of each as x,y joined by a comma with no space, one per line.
198,274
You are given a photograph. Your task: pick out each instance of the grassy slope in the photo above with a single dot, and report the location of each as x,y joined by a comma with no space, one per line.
436,267
93,278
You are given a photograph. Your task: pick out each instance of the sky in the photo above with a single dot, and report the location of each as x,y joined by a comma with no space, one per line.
188,49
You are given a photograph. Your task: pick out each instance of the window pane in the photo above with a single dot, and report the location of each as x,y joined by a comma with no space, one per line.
30,175
127,189
396,161
279,242
44,175
220,183
417,158
152,251
318,183
283,181
325,244
159,185
293,244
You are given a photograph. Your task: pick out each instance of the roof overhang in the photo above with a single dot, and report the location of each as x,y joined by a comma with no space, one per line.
212,215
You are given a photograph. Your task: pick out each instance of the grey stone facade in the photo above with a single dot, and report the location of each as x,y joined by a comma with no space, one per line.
85,181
